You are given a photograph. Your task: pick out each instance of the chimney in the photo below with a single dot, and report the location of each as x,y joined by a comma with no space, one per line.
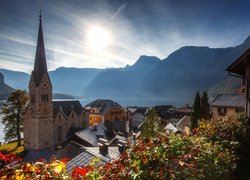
127,126
95,127
122,146
103,146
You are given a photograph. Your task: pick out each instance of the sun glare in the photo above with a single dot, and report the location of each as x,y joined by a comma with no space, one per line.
98,37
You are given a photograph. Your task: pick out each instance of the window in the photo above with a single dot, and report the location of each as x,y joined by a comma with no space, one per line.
45,97
238,110
222,111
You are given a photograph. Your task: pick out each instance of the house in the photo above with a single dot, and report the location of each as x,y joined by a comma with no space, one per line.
184,122
241,68
111,131
46,122
178,113
89,137
170,128
104,110
88,155
184,110
139,116
227,104
164,112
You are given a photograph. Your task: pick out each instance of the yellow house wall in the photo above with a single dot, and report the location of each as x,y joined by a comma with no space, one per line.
215,115
94,119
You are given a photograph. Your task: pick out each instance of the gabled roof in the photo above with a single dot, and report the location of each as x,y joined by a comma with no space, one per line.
229,100
170,128
66,107
163,108
103,105
84,159
239,65
141,110
90,135
71,150
38,154
184,109
185,121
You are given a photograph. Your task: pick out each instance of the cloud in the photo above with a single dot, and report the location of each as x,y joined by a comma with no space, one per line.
119,10
143,27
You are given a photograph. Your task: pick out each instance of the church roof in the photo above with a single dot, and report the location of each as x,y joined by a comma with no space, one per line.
40,66
66,107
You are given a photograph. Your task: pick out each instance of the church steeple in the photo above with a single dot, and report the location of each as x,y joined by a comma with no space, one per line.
40,66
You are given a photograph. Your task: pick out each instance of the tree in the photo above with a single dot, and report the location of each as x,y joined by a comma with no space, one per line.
196,113
205,107
151,124
13,111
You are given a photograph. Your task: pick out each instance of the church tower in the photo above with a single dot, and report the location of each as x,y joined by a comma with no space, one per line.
38,120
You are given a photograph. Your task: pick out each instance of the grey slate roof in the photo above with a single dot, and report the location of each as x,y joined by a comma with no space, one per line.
35,155
141,110
229,100
84,159
71,150
103,105
66,107
91,135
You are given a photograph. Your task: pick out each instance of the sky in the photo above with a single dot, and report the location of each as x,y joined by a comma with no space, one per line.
114,33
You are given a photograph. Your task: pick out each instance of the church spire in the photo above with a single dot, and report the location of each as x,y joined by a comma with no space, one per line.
40,67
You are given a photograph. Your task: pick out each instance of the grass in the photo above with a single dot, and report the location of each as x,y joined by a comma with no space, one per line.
11,147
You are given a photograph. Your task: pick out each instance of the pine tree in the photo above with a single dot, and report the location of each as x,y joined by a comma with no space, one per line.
150,125
205,107
196,113
13,111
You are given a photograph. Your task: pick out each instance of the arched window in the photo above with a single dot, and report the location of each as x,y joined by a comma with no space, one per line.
45,97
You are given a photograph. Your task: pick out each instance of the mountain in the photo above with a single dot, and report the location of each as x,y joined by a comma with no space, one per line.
150,81
17,80
190,69
123,82
174,79
230,85
5,90
73,80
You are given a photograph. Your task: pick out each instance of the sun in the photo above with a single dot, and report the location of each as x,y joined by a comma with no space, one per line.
98,38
